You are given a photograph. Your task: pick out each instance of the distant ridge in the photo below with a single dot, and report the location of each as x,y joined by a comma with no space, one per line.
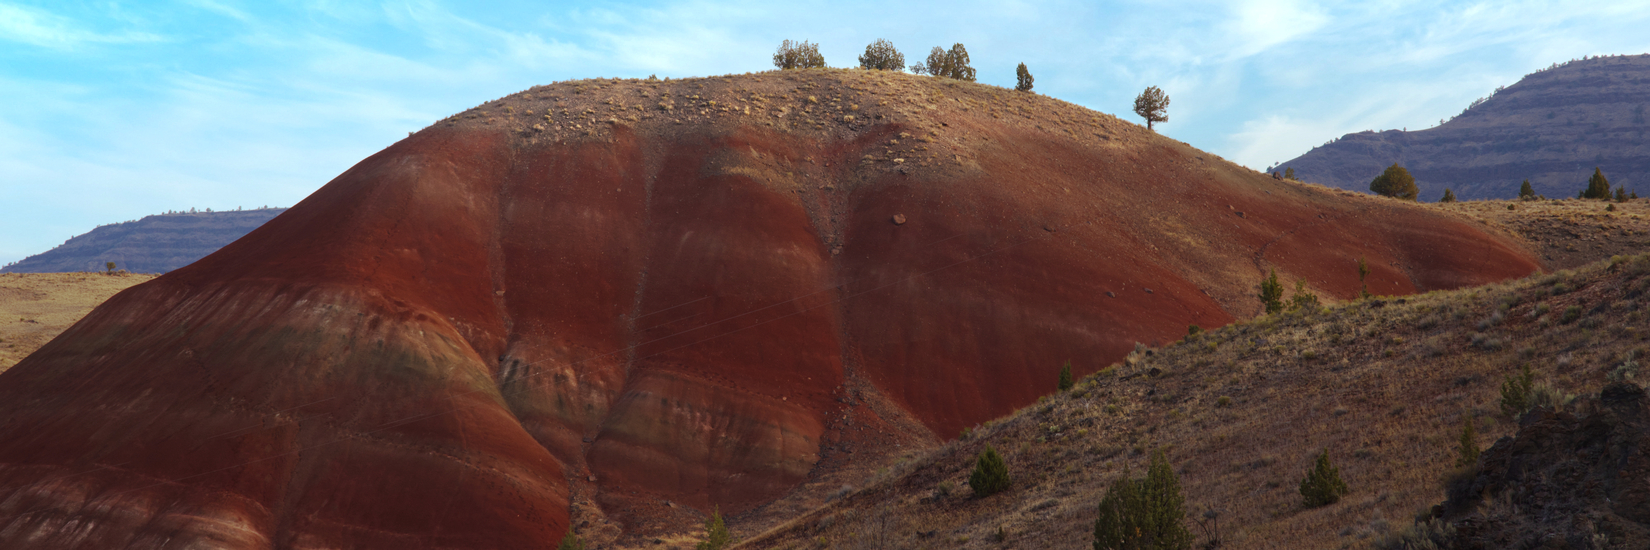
1551,127
154,244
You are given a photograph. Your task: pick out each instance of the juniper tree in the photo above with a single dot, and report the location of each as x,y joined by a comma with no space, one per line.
1322,485
1271,293
882,56
1468,455
1023,77
1395,182
1144,513
1525,192
798,55
717,536
1289,173
570,542
1152,105
990,474
1065,382
1598,186
1449,196
1363,276
1621,194
948,64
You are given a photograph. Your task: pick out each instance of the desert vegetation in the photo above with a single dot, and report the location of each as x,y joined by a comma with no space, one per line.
1396,182
1152,105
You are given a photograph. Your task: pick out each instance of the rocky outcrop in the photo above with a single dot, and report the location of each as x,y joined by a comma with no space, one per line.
1552,127
154,244
616,298
1568,479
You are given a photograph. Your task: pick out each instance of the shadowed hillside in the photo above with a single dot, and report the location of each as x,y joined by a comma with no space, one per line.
612,305
1552,127
1385,384
154,244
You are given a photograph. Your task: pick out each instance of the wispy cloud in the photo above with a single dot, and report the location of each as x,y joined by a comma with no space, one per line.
44,29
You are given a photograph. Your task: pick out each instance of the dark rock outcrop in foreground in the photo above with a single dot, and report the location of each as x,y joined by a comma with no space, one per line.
1571,479
615,304
154,244
1551,127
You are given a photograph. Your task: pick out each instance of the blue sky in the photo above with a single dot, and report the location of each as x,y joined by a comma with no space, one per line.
110,111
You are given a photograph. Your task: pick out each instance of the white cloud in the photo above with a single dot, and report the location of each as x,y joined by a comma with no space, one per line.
44,29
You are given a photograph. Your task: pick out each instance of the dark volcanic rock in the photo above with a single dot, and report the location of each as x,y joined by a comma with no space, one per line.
1567,480
1551,127
154,244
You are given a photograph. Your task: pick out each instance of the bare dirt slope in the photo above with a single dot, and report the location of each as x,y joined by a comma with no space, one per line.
613,305
1552,127
34,308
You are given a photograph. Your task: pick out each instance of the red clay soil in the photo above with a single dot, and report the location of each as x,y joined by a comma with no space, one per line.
696,292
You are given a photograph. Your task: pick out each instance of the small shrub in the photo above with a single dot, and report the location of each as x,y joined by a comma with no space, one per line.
990,474
1431,534
570,542
1467,453
1549,397
1515,392
1449,196
1224,401
1627,370
1271,293
1065,377
1571,314
1303,300
1322,485
1193,330
717,536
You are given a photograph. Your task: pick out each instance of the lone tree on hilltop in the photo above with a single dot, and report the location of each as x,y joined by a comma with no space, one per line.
881,56
1525,192
1152,105
1024,79
1449,196
948,64
1146,513
1395,182
1598,186
798,55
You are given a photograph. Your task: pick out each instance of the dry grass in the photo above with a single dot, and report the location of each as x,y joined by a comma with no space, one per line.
1383,383
36,307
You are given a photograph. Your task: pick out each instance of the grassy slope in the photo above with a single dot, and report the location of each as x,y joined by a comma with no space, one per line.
36,307
1384,384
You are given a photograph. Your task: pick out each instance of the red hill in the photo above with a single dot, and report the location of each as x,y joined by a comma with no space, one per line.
636,295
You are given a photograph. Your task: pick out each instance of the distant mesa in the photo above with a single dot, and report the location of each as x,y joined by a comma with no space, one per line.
621,303
1552,127
154,244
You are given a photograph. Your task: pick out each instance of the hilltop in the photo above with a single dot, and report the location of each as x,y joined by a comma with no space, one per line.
1552,127
612,306
154,244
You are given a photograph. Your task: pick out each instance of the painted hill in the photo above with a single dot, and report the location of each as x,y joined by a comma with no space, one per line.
1551,127
154,244
615,304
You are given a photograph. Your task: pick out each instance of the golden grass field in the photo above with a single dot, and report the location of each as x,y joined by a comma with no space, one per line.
36,307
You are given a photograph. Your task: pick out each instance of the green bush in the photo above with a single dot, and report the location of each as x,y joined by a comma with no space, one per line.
1023,78
1395,182
1432,534
1598,186
1143,513
1525,192
570,542
1515,392
990,474
948,64
1193,330
795,55
717,536
1571,314
1322,485
1065,377
1467,456
882,56
1288,173
1449,196
1303,300
1271,293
